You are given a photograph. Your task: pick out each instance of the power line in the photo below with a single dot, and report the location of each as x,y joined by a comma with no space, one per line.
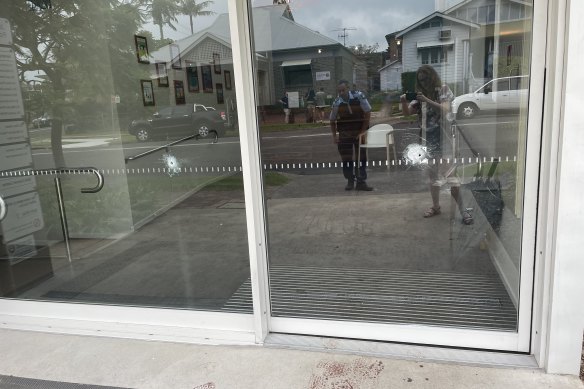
344,35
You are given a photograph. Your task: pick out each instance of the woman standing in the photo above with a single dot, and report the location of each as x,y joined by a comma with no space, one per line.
432,103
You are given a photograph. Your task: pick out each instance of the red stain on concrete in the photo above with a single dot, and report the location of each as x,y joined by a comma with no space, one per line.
349,375
208,385
333,369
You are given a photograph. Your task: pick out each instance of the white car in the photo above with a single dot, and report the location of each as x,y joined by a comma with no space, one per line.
497,94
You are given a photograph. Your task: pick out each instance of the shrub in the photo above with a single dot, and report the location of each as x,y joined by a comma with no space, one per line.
408,80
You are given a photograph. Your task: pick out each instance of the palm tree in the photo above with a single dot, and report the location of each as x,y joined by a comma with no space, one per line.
194,9
163,12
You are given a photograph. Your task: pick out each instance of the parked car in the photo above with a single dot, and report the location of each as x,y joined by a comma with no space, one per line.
42,121
180,120
498,94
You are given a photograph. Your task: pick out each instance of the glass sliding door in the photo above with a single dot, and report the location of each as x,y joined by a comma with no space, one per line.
393,143
139,95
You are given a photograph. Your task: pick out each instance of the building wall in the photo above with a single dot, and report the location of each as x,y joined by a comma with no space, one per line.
339,61
507,11
483,40
324,65
566,318
200,55
391,77
344,69
567,215
394,50
452,71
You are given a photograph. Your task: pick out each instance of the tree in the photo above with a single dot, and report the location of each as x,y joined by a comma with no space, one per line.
194,9
163,12
362,49
74,44
371,60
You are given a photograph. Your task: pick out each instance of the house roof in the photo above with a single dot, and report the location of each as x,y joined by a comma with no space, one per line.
397,61
466,2
274,29
388,36
296,62
432,16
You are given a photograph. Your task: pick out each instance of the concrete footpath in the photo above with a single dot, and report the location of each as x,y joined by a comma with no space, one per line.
124,363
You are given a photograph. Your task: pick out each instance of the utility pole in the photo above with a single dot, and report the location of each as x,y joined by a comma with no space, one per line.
344,33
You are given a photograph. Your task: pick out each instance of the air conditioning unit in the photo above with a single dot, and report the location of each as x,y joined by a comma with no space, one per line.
445,34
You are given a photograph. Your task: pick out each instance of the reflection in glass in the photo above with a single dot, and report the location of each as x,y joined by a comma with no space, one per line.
102,84
444,84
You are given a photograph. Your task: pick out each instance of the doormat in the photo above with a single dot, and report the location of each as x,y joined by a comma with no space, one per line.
11,382
232,205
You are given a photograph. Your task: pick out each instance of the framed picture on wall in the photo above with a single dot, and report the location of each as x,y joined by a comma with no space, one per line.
147,92
142,49
207,78
192,79
179,92
227,79
161,74
217,63
175,56
219,88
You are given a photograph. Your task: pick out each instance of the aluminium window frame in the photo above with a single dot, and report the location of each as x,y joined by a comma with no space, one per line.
488,340
226,328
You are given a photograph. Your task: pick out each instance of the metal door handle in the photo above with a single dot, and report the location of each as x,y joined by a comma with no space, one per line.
2,209
99,185
93,170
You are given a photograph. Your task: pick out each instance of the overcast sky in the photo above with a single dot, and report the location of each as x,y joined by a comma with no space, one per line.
371,19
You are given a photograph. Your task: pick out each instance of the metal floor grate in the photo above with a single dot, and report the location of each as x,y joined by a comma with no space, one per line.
11,382
372,295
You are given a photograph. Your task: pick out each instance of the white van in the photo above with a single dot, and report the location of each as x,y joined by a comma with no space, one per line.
497,94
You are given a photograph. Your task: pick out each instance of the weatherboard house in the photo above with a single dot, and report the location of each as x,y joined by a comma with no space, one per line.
468,44
438,40
288,57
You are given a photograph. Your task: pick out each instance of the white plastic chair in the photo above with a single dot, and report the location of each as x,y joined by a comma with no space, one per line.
380,135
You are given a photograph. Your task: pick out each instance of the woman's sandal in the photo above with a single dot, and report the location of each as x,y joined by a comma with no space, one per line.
467,218
432,212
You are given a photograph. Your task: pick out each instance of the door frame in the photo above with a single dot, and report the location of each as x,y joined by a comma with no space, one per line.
224,328
241,35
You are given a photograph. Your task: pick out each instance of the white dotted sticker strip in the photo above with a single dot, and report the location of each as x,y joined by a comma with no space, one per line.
295,166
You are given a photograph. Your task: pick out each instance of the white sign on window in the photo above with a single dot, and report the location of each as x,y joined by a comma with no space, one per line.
15,156
323,76
13,132
16,185
293,100
20,249
23,217
10,101
5,34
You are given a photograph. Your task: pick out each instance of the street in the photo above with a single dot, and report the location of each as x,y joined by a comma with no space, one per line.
487,136
192,153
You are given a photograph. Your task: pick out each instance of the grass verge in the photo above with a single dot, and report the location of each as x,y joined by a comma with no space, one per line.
235,182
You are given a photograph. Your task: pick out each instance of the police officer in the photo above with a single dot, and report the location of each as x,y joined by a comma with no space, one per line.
349,118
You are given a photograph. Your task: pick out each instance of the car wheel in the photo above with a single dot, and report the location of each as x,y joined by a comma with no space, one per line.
203,130
142,134
467,111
